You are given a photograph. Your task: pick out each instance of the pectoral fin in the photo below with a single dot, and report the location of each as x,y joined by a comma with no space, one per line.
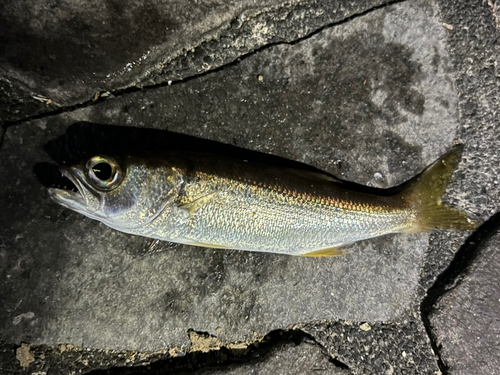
195,205
330,252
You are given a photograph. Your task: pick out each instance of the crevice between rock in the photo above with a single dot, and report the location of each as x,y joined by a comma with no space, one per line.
206,352
452,276
99,97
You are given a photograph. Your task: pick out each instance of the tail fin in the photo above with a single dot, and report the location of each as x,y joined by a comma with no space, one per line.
426,191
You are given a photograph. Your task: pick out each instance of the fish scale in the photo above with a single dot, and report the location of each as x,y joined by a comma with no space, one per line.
273,218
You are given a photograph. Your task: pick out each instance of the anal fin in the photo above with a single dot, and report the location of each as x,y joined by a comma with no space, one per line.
330,252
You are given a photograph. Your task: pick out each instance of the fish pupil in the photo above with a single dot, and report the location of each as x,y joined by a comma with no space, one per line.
102,171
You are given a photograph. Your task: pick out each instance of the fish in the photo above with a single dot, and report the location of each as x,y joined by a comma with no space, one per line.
218,202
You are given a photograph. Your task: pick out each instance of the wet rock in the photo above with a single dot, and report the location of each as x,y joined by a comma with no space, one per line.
2,131
285,359
281,352
387,348
68,279
462,307
474,54
465,320
57,54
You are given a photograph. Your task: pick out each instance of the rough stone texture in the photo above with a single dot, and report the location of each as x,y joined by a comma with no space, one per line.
285,359
66,278
469,310
45,282
8,361
2,132
380,348
465,320
59,53
473,46
283,352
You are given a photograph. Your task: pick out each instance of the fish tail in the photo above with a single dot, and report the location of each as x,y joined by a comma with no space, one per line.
426,191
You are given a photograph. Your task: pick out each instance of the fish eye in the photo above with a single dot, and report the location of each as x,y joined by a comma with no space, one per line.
104,172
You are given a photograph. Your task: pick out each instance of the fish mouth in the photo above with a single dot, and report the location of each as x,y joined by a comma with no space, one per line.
71,194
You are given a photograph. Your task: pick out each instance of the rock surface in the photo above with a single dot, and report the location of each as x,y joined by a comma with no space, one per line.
382,348
58,53
285,359
69,279
462,304
466,321
372,99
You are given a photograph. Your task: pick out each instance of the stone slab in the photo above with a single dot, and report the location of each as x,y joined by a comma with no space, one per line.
57,54
371,101
284,359
401,347
459,304
472,40
465,320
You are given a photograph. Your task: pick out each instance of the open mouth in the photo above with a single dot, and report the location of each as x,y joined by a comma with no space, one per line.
65,182
67,190
50,176
68,181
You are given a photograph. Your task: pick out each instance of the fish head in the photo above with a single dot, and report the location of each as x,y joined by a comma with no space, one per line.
125,193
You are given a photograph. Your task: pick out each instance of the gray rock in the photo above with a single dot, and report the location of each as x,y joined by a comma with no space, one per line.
465,320
462,306
473,47
2,132
281,352
54,55
65,278
285,359
380,348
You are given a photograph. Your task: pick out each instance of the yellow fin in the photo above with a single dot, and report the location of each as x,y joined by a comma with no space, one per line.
203,244
195,205
330,252
425,192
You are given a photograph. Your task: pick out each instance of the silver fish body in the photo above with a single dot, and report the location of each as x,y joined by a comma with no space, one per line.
207,201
